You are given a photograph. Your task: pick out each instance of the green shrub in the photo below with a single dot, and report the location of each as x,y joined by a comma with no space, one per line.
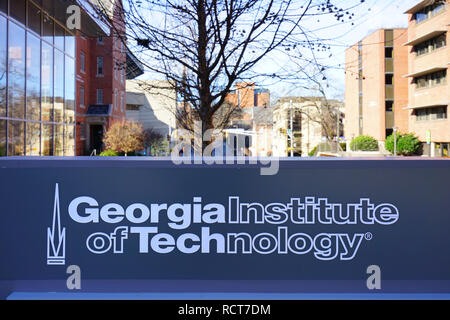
109,153
364,143
313,152
407,144
343,146
389,143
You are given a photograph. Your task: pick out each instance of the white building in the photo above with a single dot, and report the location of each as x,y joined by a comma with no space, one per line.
152,103
310,115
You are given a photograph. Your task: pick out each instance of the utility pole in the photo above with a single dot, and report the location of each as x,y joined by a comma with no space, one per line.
395,141
292,129
337,128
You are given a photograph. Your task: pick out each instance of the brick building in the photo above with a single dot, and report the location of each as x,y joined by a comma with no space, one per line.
103,65
376,93
418,99
429,89
248,95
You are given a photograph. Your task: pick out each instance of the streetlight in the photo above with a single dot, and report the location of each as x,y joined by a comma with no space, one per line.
395,141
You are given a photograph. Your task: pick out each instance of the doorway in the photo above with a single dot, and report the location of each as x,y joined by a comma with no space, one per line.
96,137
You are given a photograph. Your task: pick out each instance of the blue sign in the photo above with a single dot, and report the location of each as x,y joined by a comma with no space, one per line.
151,226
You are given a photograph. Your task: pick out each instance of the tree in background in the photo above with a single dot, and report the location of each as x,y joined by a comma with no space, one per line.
364,143
203,47
124,136
407,144
157,143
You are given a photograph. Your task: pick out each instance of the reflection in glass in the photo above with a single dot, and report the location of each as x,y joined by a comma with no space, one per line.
16,73
33,145
47,140
2,138
59,86
59,37
69,140
16,130
3,67
33,77
70,44
59,135
34,18
47,82
47,28
70,90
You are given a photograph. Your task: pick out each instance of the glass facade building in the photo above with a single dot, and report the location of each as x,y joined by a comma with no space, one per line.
37,82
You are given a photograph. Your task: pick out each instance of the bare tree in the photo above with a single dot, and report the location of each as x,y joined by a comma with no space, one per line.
204,46
321,108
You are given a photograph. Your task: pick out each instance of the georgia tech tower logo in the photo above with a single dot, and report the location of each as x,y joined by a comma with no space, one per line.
56,237
198,227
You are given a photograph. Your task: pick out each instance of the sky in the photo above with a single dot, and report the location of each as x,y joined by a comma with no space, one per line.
369,16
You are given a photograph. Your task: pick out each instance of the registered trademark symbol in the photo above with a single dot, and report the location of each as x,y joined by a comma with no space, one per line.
368,236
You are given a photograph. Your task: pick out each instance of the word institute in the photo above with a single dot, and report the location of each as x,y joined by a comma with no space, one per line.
160,227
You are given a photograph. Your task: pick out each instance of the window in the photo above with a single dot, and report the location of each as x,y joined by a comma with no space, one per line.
58,85
135,107
389,132
16,74
389,79
4,8
389,105
432,79
430,11
34,18
99,66
59,140
33,144
82,62
99,96
47,83
69,140
389,38
115,100
122,75
421,16
100,40
435,113
69,44
422,49
82,103
439,42
17,10
121,101
33,78
69,90
47,28
59,37
16,138
437,8
83,131
3,70
430,45
438,78
388,52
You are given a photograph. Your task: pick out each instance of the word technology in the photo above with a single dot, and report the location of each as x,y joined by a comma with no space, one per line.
146,223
